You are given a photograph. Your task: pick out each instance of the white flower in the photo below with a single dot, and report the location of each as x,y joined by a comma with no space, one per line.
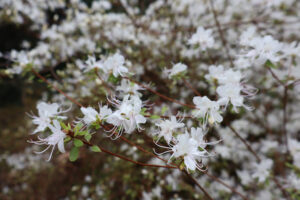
230,77
21,58
203,38
244,176
198,135
115,64
215,72
56,138
128,114
207,109
262,170
46,113
167,127
176,69
247,36
128,87
91,115
187,147
91,63
265,48
230,93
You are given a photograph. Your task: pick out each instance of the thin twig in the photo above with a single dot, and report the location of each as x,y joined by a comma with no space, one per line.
57,89
220,32
161,95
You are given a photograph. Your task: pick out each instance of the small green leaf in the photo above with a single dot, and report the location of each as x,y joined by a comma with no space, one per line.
67,139
81,133
87,137
78,143
270,64
154,117
164,109
63,125
77,128
95,148
73,154
113,79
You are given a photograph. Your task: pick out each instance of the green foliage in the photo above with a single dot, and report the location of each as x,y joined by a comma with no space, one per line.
74,154
154,117
95,148
270,64
78,143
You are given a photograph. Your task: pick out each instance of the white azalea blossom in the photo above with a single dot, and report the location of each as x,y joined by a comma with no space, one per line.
187,147
46,113
167,128
176,69
91,115
56,138
207,109
230,93
127,116
128,87
115,65
262,170
202,37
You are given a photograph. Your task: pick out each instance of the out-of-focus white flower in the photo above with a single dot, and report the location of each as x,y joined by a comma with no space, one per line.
230,77
203,38
128,115
244,176
92,63
215,72
21,59
167,127
115,65
265,48
207,109
247,36
262,170
56,138
176,69
230,93
46,113
128,87
198,135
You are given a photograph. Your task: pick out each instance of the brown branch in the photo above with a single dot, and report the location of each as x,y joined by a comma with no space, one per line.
226,185
245,143
191,87
57,89
161,95
220,32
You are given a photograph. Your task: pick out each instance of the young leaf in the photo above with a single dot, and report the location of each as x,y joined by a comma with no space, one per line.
154,117
73,154
87,137
78,143
95,148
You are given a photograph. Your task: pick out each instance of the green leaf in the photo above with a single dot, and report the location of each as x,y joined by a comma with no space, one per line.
67,139
164,109
81,133
95,148
143,111
154,117
63,125
87,137
113,79
78,143
270,64
73,154
77,128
